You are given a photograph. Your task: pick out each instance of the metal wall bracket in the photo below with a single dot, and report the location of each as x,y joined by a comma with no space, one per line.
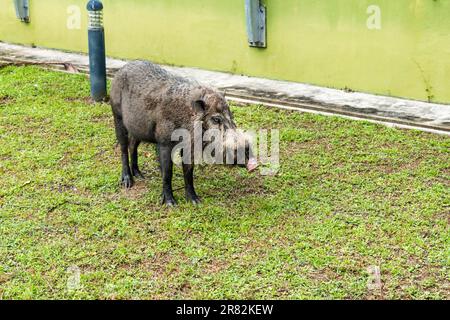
22,10
256,23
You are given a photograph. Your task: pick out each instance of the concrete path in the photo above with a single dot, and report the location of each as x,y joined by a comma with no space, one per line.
282,94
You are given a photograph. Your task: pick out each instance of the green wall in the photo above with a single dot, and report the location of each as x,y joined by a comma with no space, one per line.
323,42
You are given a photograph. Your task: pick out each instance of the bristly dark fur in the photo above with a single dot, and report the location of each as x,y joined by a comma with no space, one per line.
153,102
148,104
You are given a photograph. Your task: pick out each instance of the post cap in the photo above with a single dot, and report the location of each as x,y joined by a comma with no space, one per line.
94,5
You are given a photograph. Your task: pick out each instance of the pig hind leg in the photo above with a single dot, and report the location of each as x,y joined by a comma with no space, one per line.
122,137
133,146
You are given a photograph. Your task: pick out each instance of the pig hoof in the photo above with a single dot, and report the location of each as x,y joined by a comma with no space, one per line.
137,173
169,202
127,181
193,199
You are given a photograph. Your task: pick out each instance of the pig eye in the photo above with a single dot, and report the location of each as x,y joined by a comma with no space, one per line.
216,120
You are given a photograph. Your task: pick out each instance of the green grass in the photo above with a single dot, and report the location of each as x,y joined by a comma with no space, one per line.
348,195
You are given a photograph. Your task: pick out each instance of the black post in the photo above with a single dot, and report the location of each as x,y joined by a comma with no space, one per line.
97,55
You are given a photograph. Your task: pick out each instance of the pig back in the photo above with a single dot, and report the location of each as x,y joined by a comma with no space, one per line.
154,102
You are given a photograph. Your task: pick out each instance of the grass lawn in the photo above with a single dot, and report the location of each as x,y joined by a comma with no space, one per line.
349,195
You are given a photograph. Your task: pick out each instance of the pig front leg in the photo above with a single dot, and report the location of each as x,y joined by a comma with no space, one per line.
188,172
165,161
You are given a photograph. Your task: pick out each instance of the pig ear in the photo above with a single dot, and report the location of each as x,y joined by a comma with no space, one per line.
199,106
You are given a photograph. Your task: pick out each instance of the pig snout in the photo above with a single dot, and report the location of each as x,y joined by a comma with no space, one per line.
240,145
250,161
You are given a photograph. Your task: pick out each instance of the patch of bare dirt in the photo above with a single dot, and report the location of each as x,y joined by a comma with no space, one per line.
85,100
138,190
6,100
